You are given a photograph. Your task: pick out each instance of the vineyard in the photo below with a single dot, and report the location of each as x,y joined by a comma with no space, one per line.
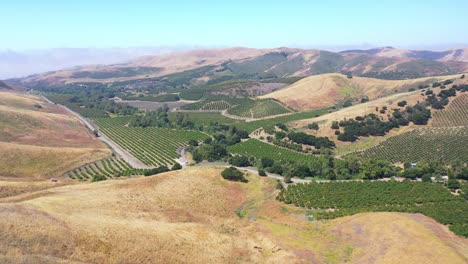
152,146
265,123
455,114
347,198
215,106
242,107
258,149
215,103
427,144
104,169
258,109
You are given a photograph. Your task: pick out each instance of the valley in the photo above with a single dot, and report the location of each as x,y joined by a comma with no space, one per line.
322,160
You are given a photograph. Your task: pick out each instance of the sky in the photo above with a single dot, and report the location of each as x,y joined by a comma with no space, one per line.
48,24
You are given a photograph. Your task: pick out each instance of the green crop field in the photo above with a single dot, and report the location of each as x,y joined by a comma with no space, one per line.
347,198
256,148
429,144
251,126
104,169
216,106
258,109
208,105
455,114
152,146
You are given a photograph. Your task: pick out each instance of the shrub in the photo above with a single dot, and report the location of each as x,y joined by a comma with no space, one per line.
267,162
99,177
402,103
239,161
453,184
313,126
279,185
176,166
233,174
335,125
156,171
261,172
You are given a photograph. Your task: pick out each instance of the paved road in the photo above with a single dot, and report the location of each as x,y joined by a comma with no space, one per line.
134,162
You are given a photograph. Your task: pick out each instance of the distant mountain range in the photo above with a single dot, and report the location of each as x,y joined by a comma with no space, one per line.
23,63
247,63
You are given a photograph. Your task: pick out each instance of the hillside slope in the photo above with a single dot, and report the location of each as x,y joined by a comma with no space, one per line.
40,140
454,54
327,90
246,63
192,216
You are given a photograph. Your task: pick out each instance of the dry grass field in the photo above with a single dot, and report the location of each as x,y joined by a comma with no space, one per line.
194,216
453,114
326,90
39,140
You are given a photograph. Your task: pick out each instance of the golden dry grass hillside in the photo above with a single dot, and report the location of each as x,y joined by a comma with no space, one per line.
194,216
40,140
453,110
327,90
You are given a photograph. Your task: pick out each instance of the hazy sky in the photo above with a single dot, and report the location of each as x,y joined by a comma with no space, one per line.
294,23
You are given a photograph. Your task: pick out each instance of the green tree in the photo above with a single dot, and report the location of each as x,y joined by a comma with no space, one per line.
233,174
453,184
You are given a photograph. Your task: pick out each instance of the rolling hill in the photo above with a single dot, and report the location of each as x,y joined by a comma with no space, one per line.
246,63
451,116
327,90
455,54
194,216
40,140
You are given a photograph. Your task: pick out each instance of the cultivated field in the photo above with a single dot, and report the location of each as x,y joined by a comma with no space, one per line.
152,146
104,169
258,109
454,114
258,149
347,198
429,144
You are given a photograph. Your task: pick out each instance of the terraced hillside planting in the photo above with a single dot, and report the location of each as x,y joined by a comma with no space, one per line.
152,146
455,114
256,148
427,144
347,198
104,169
